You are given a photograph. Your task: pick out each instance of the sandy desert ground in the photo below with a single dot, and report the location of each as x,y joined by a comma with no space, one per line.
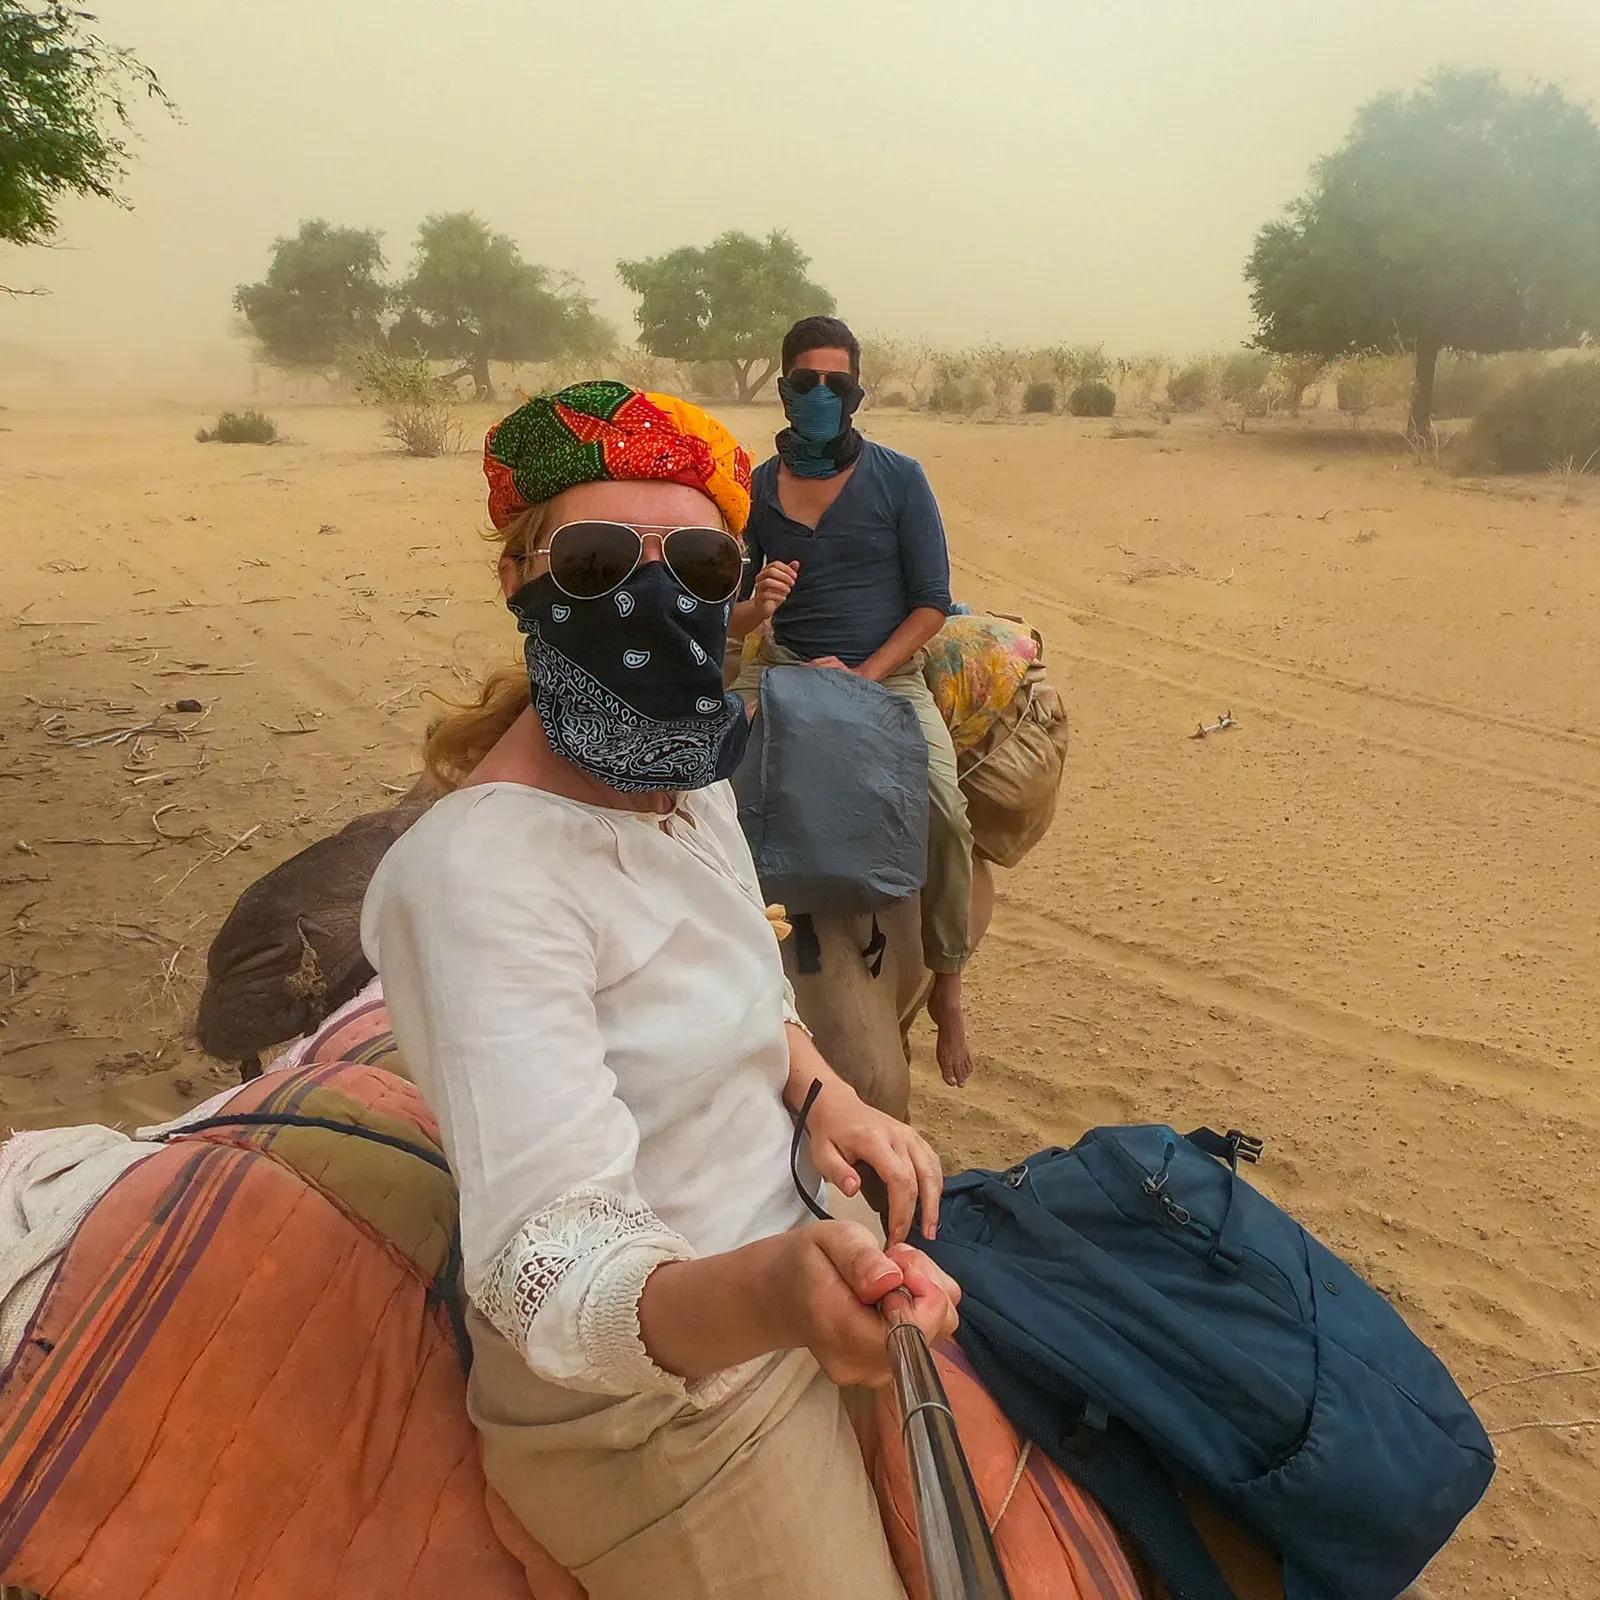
1362,924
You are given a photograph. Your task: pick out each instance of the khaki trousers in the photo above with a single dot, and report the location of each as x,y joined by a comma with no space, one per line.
646,1498
947,895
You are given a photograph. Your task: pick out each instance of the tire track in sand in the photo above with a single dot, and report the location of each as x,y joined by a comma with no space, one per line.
1505,772
1313,676
1439,1057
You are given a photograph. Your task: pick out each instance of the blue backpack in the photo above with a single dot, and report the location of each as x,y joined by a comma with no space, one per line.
1149,1320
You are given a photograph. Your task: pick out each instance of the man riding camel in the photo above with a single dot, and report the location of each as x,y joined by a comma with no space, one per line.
849,564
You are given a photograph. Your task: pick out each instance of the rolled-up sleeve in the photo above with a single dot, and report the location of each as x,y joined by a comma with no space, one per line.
491,990
924,550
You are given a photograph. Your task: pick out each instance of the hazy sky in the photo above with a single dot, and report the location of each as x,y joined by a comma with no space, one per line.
1027,170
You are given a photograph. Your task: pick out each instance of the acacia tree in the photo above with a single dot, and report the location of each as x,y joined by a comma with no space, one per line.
472,298
1463,216
65,117
322,295
732,300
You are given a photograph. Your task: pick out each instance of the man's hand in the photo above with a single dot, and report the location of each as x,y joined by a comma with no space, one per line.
773,587
831,663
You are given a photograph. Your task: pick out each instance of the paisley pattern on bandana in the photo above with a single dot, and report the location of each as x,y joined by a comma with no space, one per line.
604,430
605,736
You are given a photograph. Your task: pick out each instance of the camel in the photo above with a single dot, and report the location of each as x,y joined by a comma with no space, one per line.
289,955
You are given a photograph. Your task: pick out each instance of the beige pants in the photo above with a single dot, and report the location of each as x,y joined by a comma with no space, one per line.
947,895
649,1499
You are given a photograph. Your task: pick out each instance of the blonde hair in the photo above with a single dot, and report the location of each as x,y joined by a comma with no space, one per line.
459,740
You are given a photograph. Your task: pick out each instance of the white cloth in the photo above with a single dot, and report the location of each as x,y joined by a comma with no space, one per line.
593,1002
49,1180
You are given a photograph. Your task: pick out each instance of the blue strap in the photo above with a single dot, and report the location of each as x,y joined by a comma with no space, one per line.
1108,1460
1226,1252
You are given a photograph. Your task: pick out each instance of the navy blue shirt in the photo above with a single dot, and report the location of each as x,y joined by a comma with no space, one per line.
878,554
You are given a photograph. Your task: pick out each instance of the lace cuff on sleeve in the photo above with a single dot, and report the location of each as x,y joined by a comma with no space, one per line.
565,1290
790,1013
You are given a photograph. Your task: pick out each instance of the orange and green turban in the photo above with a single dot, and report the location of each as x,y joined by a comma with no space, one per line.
591,432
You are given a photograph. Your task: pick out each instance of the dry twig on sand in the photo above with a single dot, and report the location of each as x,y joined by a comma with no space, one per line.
1534,1377
213,857
1559,1422
173,838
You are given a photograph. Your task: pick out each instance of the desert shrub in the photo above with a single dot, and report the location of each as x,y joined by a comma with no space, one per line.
1550,419
1092,399
958,385
1077,364
1464,383
1141,376
1241,375
643,370
418,405
1002,368
240,427
884,357
895,397
1039,396
713,381
1192,385
1376,379
425,429
1291,376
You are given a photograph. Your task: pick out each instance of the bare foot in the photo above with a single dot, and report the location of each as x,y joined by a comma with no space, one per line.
944,1006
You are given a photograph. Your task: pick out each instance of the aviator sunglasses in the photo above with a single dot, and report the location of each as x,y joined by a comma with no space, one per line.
802,380
590,559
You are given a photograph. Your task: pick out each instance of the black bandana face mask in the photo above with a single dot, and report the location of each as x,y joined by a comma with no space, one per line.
629,686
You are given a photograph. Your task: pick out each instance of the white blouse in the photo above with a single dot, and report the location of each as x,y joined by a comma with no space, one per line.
592,1002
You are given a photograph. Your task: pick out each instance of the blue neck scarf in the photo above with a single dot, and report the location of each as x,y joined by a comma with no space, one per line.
820,440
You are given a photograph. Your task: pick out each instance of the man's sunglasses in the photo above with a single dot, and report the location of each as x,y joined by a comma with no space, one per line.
590,559
802,380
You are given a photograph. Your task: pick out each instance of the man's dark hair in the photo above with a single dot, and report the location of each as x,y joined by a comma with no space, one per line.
820,333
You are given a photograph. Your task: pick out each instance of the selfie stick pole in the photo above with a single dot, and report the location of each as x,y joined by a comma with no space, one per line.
957,1549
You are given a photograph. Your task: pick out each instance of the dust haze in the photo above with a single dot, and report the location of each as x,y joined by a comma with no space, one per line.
1019,170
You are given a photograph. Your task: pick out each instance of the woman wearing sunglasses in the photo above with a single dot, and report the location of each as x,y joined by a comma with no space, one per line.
584,983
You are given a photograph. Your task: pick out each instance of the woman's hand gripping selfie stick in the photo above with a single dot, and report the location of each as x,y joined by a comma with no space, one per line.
957,1550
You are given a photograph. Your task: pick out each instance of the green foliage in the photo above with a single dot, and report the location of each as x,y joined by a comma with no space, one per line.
1464,216
240,427
384,375
1039,396
1550,419
417,404
732,300
472,298
1192,386
1092,399
65,114
322,293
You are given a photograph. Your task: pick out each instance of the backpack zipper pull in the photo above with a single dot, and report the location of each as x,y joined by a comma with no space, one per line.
1155,1185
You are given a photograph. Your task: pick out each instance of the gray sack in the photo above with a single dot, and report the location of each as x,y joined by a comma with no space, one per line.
833,792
